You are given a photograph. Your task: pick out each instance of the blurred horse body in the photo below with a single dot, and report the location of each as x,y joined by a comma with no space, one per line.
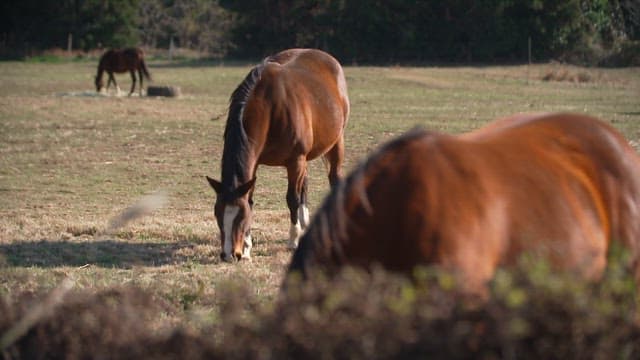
120,61
561,186
289,109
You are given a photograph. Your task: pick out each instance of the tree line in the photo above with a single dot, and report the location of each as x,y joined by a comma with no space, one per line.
357,31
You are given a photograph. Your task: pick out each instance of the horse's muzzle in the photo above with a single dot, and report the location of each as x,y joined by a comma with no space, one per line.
237,256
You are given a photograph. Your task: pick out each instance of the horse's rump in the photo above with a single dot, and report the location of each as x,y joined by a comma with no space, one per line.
123,60
562,186
302,97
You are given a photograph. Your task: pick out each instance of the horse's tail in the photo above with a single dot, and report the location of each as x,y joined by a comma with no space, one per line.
145,71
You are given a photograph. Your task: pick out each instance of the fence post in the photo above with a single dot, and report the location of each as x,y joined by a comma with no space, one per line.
69,43
171,48
529,57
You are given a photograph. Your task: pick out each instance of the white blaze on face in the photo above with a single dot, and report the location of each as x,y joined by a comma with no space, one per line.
230,214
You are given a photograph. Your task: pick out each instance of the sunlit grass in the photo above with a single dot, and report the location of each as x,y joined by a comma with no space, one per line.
70,161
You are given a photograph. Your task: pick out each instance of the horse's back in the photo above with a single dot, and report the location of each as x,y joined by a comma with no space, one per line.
542,125
313,63
583,171
107,56
133,53
121,60
312,59
577,144
302,98
557,185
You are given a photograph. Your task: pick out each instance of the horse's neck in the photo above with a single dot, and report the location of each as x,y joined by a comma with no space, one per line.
100,72
238,162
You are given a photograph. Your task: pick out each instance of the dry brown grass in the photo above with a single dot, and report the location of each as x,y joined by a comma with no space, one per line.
70,162
567,75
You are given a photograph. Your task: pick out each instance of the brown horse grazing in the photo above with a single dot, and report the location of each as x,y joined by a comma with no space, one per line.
562,186
291,108
120,61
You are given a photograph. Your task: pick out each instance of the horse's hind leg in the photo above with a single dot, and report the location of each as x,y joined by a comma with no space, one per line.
112,79
141,81
133,81
335,156
303,210
296,193
109,81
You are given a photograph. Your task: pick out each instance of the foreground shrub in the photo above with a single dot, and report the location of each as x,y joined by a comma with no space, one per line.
531,313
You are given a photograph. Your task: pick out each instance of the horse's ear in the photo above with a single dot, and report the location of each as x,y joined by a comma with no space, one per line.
244,188
215,184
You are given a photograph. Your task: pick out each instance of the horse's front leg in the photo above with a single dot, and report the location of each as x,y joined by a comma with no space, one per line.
141,81
248,241
303,209
296,199
112,79
109,80
133,81
335,157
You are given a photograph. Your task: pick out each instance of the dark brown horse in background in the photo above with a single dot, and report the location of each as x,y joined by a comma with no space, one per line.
120,61
289,109
561,186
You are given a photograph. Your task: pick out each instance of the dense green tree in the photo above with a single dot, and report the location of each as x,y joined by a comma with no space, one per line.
108,23
414,30
354,30
630,11
40,24
261,27
194,24
28,24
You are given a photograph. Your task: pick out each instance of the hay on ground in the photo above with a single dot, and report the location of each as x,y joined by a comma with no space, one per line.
166,91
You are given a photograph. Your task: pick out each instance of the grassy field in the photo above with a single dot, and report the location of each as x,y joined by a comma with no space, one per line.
71,160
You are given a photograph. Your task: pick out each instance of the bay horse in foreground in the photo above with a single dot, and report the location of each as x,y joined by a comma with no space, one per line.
559,186
289,109
120,61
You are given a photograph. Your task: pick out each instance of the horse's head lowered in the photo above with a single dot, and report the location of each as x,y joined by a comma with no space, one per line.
99,83
233,215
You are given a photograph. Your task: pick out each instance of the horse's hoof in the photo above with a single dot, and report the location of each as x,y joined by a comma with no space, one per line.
294,235
293,244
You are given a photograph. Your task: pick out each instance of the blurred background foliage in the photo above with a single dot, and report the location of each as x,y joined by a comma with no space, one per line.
356,31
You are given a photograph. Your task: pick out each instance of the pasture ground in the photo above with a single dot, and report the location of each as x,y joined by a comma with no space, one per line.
70,161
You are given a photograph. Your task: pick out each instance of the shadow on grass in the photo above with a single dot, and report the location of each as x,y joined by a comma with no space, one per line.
104,253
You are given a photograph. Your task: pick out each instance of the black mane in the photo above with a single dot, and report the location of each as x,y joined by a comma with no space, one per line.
236,143
322,243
